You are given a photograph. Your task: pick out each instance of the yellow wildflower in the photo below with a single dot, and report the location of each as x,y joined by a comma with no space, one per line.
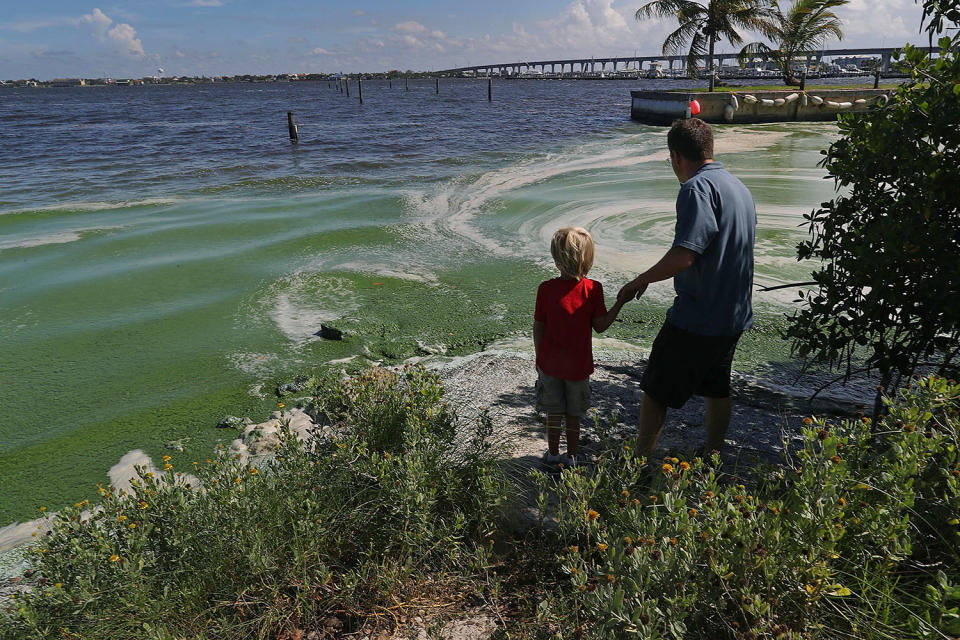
625,493
667,467
143,505
602,547
692,512
592,515
114,558
132,525
254,471
167,467
165,458
121,518
808,421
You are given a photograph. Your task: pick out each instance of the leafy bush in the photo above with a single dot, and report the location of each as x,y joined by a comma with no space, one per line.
844,541
339,524
889,243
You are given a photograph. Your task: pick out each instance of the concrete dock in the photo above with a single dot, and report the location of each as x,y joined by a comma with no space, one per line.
733,106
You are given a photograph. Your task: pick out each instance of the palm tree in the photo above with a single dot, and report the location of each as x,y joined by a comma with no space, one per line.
703,24
804,27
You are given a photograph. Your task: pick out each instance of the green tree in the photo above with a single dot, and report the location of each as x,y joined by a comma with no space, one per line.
804,27
702,25
888,288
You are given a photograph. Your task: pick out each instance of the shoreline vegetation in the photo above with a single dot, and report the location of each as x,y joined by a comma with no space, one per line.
390,511
396,516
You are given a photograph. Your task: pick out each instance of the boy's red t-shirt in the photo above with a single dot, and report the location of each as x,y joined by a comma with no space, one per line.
568,308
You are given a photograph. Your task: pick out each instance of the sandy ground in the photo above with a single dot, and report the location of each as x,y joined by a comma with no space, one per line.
768,406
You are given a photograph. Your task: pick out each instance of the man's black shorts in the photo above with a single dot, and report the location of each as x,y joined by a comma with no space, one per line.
683,364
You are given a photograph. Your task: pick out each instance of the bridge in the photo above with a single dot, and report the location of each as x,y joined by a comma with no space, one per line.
599,65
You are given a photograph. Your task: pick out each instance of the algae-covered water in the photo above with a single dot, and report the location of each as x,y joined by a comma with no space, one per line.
167,256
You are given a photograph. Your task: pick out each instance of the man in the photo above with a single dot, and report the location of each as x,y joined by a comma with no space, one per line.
711,263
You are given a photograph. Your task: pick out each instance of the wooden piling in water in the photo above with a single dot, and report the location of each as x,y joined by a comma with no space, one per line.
292,126
489,89
390,81
406,84
876,78
803,79
348,87
360,89
438,85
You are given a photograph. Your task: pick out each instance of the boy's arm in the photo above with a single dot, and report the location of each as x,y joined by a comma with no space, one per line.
673,262
539,327
602,323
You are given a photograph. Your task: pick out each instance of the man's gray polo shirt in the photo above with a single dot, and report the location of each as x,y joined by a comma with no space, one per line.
717,219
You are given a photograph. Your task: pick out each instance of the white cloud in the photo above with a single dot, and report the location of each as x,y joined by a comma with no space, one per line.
319,51
867,20
410,26
126,37
122,36
26,26
98,21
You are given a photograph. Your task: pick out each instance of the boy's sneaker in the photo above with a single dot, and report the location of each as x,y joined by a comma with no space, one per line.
568,461
552,460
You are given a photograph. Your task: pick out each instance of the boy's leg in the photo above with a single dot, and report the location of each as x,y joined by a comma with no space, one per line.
717,417
554,427
652,416
573,434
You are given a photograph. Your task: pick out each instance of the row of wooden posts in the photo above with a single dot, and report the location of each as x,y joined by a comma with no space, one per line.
343,86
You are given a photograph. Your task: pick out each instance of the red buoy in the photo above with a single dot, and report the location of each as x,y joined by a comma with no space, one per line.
694,107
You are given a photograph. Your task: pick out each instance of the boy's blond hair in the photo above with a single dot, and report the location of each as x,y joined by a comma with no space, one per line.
572,250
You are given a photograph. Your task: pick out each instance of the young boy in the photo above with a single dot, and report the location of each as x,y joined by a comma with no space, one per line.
567,309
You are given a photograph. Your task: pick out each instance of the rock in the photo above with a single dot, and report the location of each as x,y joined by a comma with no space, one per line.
329,333
174,445
297,385
231,422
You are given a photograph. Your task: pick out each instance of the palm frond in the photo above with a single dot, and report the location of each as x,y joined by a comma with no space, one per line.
669,9
676,41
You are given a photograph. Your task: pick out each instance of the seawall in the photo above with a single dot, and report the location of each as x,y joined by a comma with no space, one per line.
663,107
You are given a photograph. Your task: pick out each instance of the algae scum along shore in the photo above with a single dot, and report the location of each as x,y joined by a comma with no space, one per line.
168,258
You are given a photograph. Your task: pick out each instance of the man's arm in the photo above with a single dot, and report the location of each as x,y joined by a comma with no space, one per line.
673,262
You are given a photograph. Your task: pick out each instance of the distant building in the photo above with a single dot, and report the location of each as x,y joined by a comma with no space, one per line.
68,82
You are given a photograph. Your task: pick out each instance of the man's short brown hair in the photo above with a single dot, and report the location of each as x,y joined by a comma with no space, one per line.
692,138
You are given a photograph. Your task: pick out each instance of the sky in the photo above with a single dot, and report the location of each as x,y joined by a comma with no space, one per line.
47,39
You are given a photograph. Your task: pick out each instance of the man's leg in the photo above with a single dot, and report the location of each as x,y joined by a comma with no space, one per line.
554,427
573,434
717,417
652,416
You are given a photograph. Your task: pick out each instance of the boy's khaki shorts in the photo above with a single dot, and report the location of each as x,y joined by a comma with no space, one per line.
570,397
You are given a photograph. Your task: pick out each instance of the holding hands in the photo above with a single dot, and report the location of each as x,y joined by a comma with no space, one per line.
632,290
